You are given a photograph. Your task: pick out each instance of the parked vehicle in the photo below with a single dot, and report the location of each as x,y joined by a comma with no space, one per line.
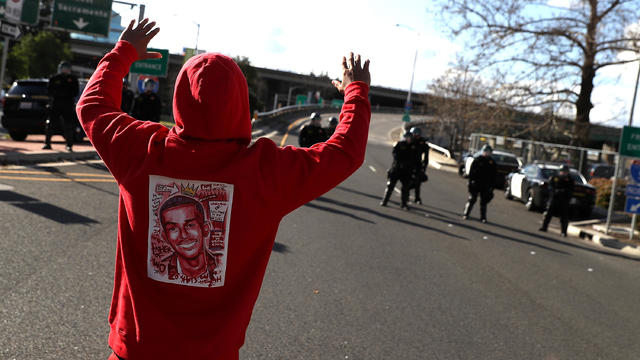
531,186
462,163
505,164
601,171
25,109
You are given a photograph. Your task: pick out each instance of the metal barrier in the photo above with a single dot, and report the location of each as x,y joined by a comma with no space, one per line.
440,149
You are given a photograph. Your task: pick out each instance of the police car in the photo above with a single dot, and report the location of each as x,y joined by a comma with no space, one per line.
531,186
505,163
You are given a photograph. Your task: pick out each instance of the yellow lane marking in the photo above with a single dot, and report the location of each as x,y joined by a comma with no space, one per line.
52,173
291,126
54,179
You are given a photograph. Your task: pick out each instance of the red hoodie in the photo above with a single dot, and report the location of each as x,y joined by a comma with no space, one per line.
199,208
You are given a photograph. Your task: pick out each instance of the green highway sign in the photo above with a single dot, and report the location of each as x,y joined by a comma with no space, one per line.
20,11
154,67
91,17
630,141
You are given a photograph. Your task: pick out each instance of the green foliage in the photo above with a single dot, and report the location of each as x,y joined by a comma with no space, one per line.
37,55
603,193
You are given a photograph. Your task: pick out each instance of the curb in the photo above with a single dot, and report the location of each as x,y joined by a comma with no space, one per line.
41,157
601,239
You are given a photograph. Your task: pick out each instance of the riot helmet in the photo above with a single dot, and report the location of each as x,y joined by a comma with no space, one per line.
315,118
333,121
64,67
415,131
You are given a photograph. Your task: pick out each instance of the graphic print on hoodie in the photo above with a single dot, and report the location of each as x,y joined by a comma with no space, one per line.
188,231
199,206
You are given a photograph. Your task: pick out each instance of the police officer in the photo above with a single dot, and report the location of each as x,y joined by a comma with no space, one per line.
422,152
333,123
127,97
63,88
560,191
312,133
403,168
482,178
147,105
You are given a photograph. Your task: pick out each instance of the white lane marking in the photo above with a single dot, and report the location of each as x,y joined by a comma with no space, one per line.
372,168
397,190
4,187
254,132
271,134
435,164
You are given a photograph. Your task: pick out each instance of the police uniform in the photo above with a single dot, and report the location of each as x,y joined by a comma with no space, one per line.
422,152
311,134
62,88
560,191
403,168
147,107
482,177
127,100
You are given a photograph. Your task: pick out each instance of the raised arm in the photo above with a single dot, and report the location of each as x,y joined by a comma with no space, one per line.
113,133
302,174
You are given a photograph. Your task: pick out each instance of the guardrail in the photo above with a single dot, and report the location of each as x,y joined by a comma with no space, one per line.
440,149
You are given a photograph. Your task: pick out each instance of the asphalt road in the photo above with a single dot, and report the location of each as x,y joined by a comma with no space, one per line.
347,279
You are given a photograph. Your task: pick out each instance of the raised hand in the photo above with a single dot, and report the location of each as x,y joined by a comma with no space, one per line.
353,70
140,36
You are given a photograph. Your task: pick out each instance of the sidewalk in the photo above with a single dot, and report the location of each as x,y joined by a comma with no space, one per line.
30,151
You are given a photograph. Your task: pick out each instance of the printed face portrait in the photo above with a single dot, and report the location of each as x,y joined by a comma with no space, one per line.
185,230
188,237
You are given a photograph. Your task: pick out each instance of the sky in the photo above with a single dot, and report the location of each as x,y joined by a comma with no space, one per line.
311,37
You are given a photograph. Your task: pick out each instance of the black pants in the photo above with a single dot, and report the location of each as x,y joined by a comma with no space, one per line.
486,194
560,208
406,180
61,116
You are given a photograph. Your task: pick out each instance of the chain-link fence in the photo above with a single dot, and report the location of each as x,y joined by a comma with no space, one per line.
529,151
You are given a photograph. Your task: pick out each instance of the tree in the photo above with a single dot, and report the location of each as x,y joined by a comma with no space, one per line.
252,81
462,103
546,54
37,55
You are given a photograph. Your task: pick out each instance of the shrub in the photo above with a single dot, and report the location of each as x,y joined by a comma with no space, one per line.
603,193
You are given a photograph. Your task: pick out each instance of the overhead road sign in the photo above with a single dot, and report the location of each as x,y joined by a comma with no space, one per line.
92,17
153,67
20,11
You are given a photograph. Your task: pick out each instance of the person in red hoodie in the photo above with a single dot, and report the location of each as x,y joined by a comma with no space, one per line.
160,309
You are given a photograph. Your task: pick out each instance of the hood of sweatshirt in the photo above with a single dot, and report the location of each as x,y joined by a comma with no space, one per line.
211,100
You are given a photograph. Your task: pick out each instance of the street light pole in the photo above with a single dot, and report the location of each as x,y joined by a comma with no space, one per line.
415,57
634,219
613,185
407,106
197,36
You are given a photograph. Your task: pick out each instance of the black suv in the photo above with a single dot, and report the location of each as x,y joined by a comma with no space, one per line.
25,109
